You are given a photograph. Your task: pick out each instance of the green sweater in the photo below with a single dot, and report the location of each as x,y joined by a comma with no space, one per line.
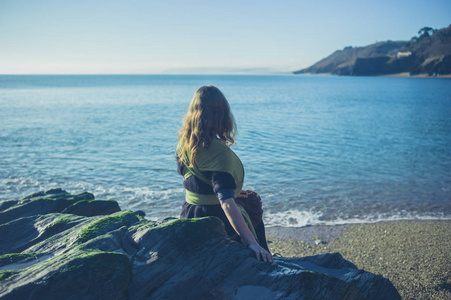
220,158
217,158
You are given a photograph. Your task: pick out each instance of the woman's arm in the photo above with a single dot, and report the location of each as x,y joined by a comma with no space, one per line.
236,220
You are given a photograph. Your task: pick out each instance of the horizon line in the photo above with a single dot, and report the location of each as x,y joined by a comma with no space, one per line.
147,74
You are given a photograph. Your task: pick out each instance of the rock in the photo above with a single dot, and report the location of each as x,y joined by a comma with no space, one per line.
328,261
89,208
53,255
22,234
292,221
140,213
76,275
52,201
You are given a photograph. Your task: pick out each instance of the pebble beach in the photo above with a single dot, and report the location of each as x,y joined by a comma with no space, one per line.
414,255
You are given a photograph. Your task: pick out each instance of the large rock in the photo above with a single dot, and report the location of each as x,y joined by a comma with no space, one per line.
53,201
47,254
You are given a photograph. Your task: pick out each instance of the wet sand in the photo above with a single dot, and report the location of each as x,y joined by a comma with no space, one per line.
414,255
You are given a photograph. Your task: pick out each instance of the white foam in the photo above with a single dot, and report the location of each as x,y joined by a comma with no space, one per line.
159,203
144,191
293,218
296,218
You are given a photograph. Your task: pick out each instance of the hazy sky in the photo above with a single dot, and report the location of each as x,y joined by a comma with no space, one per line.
146,36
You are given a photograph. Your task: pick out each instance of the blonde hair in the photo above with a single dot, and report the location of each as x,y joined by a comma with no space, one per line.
208,117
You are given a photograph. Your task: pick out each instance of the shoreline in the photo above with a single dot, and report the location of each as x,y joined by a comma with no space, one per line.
407,75
397,75
413,254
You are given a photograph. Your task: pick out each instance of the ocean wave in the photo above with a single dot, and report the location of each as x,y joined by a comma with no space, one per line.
159,203
296,218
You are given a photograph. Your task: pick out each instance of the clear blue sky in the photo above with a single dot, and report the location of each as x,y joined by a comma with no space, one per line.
161,36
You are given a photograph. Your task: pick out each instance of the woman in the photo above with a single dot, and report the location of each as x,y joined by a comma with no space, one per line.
213,174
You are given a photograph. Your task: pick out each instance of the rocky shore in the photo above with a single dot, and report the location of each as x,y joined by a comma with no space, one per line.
413,255
60,246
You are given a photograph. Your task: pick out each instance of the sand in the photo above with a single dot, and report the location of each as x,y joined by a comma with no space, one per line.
414,255
407,74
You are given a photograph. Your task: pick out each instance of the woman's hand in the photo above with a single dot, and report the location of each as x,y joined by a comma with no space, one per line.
236,220
243,194
261,253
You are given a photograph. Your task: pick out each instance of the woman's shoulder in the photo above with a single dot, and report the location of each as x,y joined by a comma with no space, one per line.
217,148
217,152
217,144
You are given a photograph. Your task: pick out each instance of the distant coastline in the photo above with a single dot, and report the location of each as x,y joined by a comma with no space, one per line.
397,75
425,56
407,75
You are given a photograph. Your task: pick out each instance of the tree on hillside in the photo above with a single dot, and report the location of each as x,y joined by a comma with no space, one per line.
426,31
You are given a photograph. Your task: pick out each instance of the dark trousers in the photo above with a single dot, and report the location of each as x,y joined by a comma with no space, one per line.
199,211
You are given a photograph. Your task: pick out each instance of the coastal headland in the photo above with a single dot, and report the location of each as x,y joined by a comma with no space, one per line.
61,246
428,55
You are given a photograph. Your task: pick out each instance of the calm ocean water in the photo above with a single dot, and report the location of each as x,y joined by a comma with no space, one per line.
318,149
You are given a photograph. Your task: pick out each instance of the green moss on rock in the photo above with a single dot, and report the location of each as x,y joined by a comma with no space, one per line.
4,274
13,258
106,224
78,275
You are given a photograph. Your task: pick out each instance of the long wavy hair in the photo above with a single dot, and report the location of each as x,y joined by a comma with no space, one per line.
208,117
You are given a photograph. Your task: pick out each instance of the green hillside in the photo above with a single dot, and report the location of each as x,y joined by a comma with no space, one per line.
429,53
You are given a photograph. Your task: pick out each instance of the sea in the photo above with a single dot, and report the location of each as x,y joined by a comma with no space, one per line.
317,149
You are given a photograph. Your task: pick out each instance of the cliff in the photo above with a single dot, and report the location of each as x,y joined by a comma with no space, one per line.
430,54
61,246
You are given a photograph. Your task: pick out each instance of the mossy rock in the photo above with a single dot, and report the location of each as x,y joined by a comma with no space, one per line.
8,259
52,201
23,233
106,224
4,205
4,274
67,277
89,208
121,256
